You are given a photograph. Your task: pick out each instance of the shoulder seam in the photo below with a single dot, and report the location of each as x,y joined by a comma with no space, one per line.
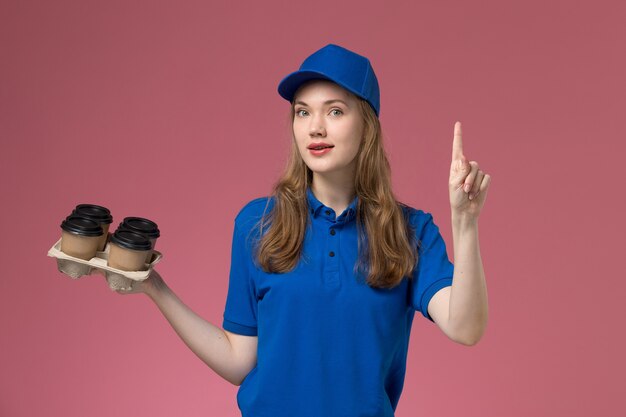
254,202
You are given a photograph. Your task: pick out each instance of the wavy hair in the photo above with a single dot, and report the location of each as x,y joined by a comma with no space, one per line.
387,245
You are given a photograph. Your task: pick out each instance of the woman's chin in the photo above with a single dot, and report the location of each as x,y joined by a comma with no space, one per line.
319,169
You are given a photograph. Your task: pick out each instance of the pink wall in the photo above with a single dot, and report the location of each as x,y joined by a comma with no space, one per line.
171,112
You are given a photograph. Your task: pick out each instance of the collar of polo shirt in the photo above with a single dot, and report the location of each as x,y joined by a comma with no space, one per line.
317,208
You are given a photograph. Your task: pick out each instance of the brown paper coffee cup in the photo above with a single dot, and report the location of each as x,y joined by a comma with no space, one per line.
128,251
145,227
100,214
80,237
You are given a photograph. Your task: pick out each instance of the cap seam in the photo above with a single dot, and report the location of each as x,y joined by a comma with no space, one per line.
367,71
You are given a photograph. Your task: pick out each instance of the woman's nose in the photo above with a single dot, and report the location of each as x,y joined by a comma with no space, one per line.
317,128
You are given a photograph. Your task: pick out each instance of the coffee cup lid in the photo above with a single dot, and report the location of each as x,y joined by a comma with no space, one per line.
93,211
80,225
130,240
141,225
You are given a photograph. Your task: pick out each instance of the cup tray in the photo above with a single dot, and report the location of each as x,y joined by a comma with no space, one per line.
117,278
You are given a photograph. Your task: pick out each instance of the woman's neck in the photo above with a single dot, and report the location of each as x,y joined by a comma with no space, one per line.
333,194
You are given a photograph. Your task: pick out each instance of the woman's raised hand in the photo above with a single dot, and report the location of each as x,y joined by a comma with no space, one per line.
468,184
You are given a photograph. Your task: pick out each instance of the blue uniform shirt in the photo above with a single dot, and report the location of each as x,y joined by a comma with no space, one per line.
329,345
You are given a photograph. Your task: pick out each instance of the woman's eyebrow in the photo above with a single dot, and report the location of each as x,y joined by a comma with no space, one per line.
326,102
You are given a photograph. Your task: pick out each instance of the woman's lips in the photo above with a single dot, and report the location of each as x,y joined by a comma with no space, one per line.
320,152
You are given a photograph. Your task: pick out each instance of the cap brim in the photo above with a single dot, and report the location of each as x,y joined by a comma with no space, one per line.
290,84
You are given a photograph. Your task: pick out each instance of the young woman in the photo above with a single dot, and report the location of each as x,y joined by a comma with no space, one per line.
328,271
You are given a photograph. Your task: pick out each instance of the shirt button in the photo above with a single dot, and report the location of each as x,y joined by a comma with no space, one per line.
328,212
332,232
332,254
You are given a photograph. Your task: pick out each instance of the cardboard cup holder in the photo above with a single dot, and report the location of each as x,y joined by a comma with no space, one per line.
116,278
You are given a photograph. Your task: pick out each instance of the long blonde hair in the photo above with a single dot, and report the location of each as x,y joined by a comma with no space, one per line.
387,245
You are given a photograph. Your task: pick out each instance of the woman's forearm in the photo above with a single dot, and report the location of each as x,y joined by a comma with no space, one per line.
206,340
468,297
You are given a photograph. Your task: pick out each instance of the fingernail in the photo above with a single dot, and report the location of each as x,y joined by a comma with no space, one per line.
471,196
466,188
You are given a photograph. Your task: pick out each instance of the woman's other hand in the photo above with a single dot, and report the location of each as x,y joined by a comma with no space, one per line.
149,286
468,184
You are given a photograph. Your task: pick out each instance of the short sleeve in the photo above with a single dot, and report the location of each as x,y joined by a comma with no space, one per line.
434,270
240,313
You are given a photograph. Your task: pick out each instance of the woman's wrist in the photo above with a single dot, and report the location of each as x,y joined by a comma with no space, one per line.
154,285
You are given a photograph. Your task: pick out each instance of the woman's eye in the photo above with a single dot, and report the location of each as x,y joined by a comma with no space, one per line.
302,112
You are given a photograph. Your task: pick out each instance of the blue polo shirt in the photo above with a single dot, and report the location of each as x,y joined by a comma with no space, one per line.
328,344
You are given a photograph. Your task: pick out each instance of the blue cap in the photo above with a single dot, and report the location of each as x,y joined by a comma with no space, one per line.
340,65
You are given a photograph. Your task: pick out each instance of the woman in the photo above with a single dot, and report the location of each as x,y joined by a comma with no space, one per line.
328,271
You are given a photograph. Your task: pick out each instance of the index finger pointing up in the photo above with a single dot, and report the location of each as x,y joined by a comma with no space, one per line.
457,143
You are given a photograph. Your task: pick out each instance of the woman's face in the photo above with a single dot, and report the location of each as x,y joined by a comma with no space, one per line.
325,112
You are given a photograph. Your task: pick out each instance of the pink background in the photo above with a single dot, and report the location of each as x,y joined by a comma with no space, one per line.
170,111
